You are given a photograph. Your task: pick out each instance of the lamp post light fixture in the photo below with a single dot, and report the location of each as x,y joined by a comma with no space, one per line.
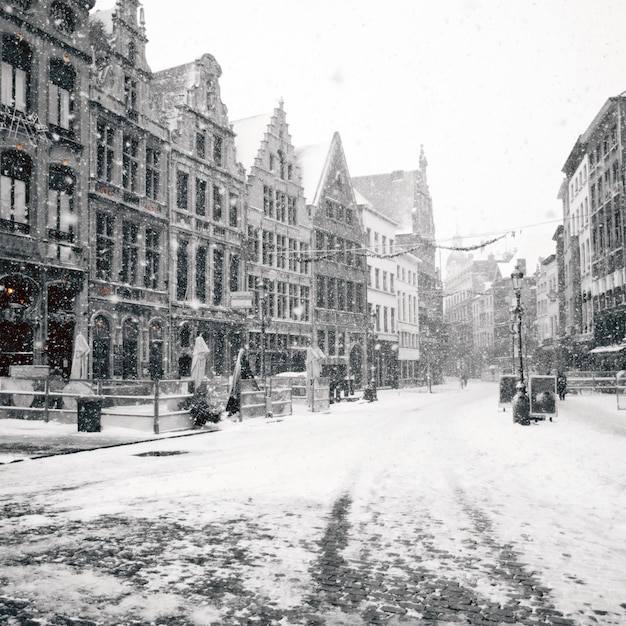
521,402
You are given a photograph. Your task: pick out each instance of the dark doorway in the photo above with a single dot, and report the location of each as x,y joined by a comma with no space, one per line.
356,365
101,348
130,348
60,339
156,351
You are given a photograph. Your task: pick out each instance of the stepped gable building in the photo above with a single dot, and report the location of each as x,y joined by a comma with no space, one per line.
278,244
207,216
338,262
44,148
128,203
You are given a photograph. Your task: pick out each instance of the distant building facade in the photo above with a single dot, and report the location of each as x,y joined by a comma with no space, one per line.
382,300
408,297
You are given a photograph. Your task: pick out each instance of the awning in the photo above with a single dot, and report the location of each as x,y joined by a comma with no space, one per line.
616,347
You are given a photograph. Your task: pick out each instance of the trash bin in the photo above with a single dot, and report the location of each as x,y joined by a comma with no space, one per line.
89,411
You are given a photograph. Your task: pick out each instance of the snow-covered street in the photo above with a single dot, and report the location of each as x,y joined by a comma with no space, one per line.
418,508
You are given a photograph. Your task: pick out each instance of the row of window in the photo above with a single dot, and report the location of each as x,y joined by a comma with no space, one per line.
202,278
15,78
130,246
578,182
385,319
278,299
605,187
338,212
380,244
279,206
606,228
406,276
339,294
332,342
216,148
387,283
407,307
580,217
16,171
137,157
217,203
278,165
275,250
602,148
408,340
338,249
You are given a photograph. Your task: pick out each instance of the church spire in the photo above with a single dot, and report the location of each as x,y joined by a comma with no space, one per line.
423,162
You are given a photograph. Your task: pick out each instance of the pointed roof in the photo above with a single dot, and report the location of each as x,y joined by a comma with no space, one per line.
361,199
314,161
249,134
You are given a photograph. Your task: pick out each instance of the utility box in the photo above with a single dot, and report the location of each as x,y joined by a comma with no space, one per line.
89,414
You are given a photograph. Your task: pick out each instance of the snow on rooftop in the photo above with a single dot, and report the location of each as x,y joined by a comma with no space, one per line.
312,160
361,199
249,133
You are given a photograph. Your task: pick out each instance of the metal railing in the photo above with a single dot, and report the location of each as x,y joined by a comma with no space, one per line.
46,398
584,383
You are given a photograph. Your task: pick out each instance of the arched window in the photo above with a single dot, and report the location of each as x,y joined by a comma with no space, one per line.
15,72
15,174
61,95
61,217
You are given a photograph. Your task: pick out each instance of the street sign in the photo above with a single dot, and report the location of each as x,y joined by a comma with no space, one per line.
241,299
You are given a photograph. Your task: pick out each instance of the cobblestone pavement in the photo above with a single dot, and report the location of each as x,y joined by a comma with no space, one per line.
199,574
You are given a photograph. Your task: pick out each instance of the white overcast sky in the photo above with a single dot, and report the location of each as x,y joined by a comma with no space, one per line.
496,91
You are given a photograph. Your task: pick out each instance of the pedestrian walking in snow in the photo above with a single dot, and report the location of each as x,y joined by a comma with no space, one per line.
561,385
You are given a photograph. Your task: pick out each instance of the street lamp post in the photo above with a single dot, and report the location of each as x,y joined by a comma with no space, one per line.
521,402
370,388
373,354
513,316
264,322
